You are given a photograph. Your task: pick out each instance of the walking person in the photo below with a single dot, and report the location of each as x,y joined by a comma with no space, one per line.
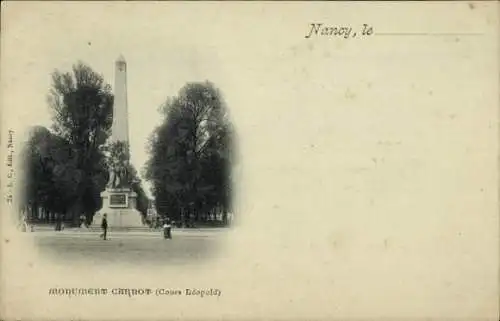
104,226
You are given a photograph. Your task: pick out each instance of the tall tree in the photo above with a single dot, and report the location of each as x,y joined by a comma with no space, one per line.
82,107
191,153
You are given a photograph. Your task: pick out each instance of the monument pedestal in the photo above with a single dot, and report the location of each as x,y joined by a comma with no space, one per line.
119,205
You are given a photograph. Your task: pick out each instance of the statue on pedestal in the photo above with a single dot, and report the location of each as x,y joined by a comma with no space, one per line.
118,177
119,168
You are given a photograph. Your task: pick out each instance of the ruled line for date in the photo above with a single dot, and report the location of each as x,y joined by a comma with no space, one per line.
431,34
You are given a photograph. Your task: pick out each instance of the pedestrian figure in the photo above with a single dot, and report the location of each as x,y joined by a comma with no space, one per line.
104,226
82,220
26,226
58,222
167,229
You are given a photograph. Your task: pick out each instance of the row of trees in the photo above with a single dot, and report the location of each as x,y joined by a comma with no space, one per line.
191,156
65,168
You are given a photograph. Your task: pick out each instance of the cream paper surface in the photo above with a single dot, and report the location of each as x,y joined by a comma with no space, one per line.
368,183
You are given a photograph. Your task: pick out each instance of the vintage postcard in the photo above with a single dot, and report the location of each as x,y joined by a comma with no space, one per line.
249,160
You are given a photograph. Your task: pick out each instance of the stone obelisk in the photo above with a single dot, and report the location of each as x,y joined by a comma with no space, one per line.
119,130
119,202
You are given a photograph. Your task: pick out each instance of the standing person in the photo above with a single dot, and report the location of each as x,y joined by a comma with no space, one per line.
167,229
82,220
58,222
26,226
104,225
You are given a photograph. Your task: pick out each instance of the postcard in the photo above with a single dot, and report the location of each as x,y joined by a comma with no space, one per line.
249,160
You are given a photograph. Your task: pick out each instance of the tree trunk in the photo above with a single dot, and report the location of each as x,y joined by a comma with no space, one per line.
74,213
32,212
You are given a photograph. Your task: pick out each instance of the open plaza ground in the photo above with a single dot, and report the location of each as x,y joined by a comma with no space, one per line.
130,247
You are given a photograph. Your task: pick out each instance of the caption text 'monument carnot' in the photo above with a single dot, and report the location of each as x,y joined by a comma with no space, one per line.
132,292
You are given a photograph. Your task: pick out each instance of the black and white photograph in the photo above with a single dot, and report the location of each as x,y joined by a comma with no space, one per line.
249,160
80,186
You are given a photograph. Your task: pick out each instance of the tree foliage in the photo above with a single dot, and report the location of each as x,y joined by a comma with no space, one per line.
191,154
66,168
50,175
82,109
142,198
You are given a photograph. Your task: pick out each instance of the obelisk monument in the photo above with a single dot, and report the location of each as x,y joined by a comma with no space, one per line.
119,130
119,200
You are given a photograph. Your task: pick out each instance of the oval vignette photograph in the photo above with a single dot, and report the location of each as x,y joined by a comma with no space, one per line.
82,196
